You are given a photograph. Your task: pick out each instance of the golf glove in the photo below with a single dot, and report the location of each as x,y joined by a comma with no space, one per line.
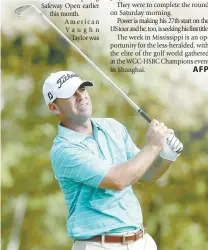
172,148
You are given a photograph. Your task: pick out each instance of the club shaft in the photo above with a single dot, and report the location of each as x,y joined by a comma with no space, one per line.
137,108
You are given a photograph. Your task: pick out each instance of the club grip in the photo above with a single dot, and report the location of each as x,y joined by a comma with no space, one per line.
143,114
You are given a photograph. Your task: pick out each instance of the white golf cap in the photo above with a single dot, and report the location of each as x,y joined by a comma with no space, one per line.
62,84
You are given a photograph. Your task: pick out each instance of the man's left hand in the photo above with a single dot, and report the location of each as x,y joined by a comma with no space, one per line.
172,148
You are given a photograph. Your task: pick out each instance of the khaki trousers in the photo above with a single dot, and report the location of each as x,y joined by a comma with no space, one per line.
147,243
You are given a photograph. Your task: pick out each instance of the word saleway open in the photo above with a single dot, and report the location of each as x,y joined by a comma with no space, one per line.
69,6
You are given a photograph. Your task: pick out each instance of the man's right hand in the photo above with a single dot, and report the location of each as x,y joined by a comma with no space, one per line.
157,134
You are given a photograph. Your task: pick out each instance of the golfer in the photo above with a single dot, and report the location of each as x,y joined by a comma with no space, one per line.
96,163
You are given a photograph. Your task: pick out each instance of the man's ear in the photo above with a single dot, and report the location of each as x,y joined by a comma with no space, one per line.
57,112
53,108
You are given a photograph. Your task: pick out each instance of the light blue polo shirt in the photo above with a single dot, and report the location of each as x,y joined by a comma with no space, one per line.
80,162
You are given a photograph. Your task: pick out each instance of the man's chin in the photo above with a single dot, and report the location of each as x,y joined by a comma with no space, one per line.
84,117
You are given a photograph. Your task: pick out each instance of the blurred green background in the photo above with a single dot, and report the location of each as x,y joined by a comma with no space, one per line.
34,213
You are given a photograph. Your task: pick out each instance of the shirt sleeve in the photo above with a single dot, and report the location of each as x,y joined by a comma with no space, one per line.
78,164
131,149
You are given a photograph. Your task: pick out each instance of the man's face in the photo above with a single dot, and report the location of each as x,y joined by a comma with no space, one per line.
76,109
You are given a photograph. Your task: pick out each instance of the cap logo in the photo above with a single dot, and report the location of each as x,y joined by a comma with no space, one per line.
50,96
64,78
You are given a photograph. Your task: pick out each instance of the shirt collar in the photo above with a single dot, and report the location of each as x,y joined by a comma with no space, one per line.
74,136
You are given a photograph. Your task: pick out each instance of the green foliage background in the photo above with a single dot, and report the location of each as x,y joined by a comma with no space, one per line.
174,208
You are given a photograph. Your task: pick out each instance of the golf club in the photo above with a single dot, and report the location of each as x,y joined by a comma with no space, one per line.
23,8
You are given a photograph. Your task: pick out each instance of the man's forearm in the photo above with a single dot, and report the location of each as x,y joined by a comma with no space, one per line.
158,168
131,171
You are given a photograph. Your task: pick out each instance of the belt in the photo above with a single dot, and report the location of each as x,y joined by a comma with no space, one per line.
123,239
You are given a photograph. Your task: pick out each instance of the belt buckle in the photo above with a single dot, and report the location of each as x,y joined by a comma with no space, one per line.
102,239
127,235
